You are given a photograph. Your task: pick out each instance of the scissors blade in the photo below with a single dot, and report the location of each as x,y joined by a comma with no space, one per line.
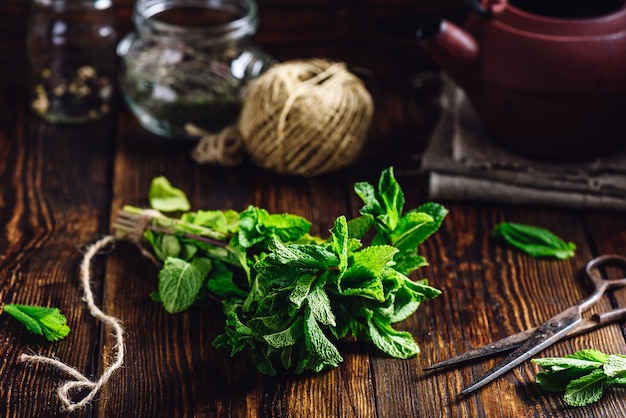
511,342
544,336
491,349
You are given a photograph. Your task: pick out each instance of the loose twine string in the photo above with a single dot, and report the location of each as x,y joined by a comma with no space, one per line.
82,382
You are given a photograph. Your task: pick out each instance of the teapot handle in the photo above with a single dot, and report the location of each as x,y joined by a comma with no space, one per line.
492,7
477,6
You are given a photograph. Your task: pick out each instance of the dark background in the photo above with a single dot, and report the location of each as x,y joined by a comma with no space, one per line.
377,34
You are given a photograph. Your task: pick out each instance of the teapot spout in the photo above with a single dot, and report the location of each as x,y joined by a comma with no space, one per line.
453,49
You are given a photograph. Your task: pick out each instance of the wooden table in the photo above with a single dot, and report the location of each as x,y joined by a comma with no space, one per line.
61,187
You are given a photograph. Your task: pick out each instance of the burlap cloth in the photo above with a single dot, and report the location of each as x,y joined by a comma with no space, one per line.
464,163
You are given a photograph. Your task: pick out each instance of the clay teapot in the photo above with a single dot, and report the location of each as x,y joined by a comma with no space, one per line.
546,77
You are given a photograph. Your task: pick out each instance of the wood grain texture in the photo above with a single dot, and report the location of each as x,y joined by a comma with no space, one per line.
61,186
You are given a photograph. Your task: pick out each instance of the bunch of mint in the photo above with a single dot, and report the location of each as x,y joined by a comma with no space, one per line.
583,376
289,296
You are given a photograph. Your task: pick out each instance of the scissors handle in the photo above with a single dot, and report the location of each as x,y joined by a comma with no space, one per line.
600,283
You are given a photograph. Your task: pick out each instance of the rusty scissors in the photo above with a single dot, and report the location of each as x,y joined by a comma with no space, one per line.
566,324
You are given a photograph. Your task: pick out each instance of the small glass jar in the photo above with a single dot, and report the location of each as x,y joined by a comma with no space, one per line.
188,63
71,49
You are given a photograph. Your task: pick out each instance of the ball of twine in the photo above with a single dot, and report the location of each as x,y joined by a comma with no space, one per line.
305,117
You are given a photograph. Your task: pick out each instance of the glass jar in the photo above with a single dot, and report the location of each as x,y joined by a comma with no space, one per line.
71,49
188,63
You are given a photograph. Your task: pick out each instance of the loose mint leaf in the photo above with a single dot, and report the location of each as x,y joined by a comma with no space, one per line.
535,241
48,322
166,198
587,389
180,282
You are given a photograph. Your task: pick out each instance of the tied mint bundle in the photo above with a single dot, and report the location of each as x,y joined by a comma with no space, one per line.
289,296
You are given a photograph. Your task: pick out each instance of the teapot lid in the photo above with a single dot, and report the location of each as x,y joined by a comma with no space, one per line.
519,15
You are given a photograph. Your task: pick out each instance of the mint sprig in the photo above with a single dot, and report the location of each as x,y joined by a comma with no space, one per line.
288,296
48,322
535,241
584,376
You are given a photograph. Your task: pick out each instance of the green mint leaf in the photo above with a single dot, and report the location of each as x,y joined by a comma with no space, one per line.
408,234
591,355
359,226
437,212
257,226
569,362
262,361
583,375
287,262
322,353
225,222
556,380
535,241
220,282
384,203
405,295
398,344
236,336
163,245
286,337
166,198
587,389
407,262
319,303
339,241
302,289
180,282
363,277
48,322
560,371
615,366
392,197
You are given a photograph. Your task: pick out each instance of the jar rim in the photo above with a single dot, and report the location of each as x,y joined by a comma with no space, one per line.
244,24
63,5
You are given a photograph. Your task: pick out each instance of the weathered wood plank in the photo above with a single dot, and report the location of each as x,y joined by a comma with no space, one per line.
47,215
